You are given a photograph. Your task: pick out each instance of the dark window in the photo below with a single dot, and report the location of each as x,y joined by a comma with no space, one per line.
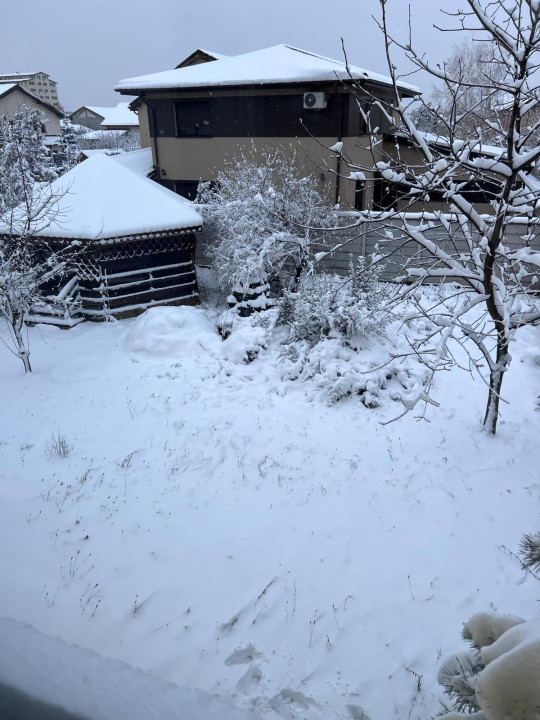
193,118
480,191
359,195
186,188
385,194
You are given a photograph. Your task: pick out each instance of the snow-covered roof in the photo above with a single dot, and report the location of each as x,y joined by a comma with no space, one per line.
482,149
278,65
138,161
218,56
120,117
15,76
5,88
52,140
98,151
200,55
99,134
24,75
102,199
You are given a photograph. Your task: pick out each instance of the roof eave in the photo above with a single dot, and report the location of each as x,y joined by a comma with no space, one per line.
347,82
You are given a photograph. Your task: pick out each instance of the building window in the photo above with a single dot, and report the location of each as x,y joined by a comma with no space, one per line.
193,118
359,195
186,188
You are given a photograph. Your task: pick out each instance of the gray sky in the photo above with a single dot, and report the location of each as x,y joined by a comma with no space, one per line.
87,48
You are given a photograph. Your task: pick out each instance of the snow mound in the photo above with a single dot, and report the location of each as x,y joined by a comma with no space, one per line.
244,344
509,687
172,331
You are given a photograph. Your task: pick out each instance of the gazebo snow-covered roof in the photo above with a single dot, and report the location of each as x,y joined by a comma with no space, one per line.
277,65
102,199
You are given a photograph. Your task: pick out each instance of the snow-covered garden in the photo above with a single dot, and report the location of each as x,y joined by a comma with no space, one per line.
220,525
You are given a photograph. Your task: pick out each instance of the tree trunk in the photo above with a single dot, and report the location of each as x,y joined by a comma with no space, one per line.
22,351
495,383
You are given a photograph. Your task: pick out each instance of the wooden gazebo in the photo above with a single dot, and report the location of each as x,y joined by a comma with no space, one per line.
135,238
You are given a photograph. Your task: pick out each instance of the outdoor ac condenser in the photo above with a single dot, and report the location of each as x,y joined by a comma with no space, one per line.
315,101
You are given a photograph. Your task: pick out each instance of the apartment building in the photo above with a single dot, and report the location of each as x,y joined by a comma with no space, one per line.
38,83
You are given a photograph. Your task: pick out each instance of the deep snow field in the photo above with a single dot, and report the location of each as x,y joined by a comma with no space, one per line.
226,530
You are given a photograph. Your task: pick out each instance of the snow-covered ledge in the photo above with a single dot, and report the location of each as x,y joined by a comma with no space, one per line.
42,676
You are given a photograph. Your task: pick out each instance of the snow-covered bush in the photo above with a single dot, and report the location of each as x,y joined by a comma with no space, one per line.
500,679
263,219
340,336
345,308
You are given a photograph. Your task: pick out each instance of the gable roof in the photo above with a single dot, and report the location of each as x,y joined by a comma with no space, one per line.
277,65
120,117
200,56
101,111
101,199
7,88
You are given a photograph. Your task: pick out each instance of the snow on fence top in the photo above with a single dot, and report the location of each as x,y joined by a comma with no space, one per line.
102,199
120,117
274,65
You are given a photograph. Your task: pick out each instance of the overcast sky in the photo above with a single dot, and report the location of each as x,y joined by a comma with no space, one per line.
87,48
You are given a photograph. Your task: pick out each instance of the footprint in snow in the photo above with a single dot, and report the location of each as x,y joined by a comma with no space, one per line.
249,681
243,656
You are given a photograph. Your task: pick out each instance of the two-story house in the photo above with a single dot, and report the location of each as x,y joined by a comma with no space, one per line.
208,110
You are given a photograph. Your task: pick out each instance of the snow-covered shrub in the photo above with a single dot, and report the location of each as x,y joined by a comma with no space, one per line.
346,308
260,215
254,298
529,550
58,446
335,337
457,675
500,680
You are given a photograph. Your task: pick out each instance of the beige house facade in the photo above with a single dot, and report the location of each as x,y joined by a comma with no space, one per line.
14,98
200,115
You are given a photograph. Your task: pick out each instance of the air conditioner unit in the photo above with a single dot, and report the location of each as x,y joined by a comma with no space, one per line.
315,101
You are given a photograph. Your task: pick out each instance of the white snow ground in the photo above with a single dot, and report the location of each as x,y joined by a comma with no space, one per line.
214,526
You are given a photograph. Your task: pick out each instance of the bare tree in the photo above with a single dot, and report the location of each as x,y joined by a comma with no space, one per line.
27,262
472,99
487,247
